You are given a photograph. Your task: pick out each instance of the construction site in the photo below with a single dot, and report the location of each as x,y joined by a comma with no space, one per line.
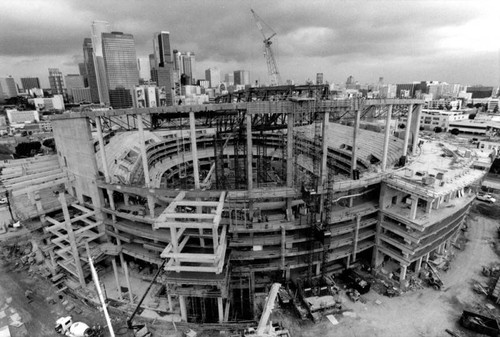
211,204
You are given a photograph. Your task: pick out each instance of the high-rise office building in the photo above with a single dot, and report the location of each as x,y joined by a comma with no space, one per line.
229,78
241,77
56,81
187,67
162,72
319,78
144,68
212,75
8,88
82,70
97,29
73,81
120,61
88,60
30,83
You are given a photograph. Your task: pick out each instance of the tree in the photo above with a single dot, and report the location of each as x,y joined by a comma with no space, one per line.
438,129
472,116
402,126
495,110
50,143
455,131
27,149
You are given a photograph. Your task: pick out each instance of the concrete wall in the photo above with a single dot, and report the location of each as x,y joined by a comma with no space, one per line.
76,156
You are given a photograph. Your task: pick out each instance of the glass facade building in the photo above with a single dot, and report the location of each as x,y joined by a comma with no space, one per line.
120,61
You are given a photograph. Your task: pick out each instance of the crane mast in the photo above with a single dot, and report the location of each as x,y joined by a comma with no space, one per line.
272,67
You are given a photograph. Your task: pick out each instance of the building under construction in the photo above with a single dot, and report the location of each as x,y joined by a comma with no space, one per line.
267,185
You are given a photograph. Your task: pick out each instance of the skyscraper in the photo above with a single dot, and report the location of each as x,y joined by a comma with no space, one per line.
144,68
56,81
162,72
82,70
8,88
73,81
88,60
120,61
30,83
97,29
188,66
213,76
241,77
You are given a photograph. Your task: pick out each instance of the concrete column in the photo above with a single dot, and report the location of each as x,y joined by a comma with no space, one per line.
318,269
387,136
407,130
151,206
437,202
283,247
126,199
221,309
182,304
402,276
117,279
416,128
72,239
356,235
348,261
413,210
104,161
142,146
249,153
428,206
127,277
426,257
194,150
418,265
175,246
170,306
354,158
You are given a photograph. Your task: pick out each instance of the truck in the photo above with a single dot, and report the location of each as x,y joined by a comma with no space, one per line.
66,327
479,323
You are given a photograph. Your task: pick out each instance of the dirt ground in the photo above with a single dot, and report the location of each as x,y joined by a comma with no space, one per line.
424,312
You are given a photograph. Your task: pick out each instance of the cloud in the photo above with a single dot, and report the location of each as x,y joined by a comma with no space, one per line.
368,38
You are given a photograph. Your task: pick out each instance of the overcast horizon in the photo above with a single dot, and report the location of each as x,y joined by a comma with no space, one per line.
401,41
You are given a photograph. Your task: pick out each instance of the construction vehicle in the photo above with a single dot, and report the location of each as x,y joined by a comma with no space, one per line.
272,67
479,323
66,327
141,329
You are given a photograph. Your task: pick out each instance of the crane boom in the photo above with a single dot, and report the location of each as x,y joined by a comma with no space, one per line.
272,67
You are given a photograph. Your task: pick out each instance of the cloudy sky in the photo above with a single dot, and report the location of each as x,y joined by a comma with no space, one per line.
402,41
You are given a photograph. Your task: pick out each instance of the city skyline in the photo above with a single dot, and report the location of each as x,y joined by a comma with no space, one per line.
448,41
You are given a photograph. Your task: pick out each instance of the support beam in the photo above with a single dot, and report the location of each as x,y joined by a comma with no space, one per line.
356,236
194,150
117,280
407,130
289,150
354,158
324,156
249,153
221,309
72,240
142,146
182,304
387,136
415,130
402,276
104,161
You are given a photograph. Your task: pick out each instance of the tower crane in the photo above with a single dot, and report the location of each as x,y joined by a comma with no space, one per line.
272,68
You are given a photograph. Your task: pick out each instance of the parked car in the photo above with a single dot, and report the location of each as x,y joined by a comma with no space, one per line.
486,198
3,201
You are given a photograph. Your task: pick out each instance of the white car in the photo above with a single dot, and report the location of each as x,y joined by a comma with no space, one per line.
487,198
3,201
